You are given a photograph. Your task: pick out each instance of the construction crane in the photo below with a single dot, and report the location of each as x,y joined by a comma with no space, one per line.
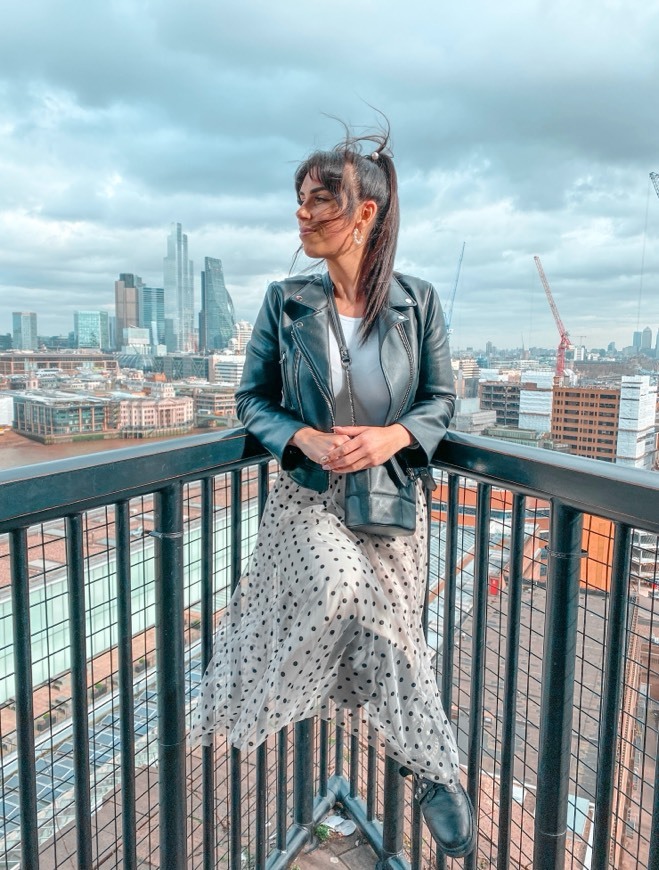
654,178
449,308
562,331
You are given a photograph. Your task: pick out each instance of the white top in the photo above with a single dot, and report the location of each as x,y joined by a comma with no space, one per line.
369,388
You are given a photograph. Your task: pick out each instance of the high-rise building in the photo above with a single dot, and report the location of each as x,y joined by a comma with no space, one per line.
91,329
637,436
24,325
216,320
636,339
502,397
126,303
646,339
152,313
586,418
242,332
179,290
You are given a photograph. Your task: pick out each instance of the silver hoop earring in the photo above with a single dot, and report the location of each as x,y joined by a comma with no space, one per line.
357,236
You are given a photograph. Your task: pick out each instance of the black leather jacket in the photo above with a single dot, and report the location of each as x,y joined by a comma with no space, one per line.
286,382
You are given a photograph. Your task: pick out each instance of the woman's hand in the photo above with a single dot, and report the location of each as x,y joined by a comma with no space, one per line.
318,445
365,447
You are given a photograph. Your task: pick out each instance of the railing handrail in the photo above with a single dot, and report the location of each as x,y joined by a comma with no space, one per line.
33,493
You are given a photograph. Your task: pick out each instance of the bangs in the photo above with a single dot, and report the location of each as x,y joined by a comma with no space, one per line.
330,168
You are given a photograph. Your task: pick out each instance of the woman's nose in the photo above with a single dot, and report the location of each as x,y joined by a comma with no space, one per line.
302,213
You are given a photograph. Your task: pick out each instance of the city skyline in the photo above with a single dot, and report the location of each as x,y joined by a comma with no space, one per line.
519,129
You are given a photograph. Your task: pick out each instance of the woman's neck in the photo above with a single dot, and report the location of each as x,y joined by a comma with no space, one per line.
344,275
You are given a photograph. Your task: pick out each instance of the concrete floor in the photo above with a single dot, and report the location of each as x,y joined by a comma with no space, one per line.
351,852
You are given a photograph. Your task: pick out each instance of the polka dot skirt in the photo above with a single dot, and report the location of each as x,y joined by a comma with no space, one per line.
326,620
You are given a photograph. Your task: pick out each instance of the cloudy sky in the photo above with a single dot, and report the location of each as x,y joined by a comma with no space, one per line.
519,127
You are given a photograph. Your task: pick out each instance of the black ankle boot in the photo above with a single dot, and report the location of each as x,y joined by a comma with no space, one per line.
449,815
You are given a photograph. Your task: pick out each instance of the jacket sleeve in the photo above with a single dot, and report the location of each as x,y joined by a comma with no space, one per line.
259,396
430,414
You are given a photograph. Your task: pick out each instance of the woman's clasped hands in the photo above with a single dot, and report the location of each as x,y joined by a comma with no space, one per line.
352,448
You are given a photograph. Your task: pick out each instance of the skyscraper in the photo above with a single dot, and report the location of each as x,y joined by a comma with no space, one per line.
126,303
179,289
91,329
24,325
216,320
152,312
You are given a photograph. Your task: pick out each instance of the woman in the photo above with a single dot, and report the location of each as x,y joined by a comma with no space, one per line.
327,618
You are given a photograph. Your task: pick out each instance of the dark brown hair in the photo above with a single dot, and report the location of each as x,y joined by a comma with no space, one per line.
352,177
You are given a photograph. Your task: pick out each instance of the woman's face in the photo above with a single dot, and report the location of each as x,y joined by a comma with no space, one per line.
324,231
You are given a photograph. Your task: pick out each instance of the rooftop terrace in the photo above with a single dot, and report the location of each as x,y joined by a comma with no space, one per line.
115,567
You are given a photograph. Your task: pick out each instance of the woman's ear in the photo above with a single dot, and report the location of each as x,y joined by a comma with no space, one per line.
367,211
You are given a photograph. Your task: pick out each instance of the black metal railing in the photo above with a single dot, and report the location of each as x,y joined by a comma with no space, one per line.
114,569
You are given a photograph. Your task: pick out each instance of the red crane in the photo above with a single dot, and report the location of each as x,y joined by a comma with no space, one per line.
565,338
654,178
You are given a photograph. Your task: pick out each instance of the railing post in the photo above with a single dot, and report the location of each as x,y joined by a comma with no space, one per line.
393,816
612,692
171,688
235,757
207,752
476,690
303,783
555,738
78,635
20,593
510,685
126,695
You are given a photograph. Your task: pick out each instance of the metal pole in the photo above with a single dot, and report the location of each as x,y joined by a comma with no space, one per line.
27,792
561,616
261,752
394,814
126,699
170,646
479,622
510,679
235,833
450,580
207,752
612,691
78,635
303,783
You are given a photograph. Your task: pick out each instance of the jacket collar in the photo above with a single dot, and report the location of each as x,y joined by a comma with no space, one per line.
314,296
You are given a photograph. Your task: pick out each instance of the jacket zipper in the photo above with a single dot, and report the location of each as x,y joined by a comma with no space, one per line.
408,349
316,381
284,378
296,381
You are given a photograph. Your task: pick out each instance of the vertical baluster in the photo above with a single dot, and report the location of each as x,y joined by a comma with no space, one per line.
78,640
235,840
481,560
450,582
303,784
206,603
371,776
555,739
339,744
20,593
323,763
170,645
282,788
354,765
394,813
126,700
613,685
510,678
261,752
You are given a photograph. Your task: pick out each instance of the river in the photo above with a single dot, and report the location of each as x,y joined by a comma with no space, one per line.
15,450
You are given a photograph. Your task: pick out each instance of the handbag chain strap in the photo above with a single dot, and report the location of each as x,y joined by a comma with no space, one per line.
343,349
